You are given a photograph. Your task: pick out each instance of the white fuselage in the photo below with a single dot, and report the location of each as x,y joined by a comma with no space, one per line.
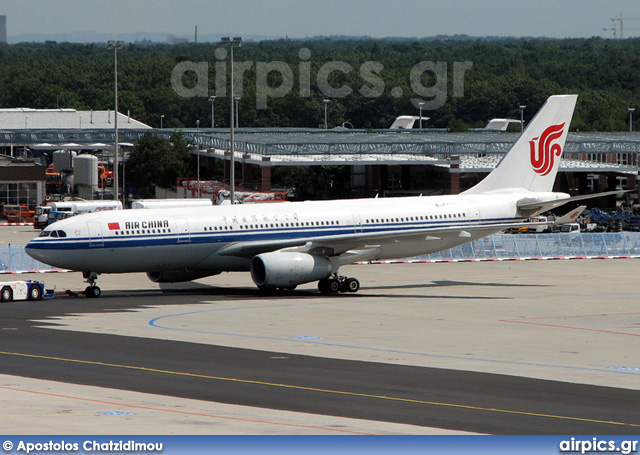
195,238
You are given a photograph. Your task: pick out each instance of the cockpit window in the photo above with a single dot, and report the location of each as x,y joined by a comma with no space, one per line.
54,234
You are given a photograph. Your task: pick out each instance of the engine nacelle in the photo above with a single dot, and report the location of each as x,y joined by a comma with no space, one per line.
177,276
285,270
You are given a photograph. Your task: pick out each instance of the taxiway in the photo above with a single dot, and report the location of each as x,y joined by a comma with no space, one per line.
496,347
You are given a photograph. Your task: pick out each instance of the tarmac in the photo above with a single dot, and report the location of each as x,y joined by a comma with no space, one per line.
574,321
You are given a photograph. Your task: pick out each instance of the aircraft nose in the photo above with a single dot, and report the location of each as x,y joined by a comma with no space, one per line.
29,249
32,251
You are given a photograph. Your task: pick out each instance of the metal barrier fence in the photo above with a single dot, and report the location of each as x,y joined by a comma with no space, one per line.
498,246
14,259
525,246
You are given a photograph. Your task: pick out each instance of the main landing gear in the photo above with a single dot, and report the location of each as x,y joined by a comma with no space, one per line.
337,283
92,291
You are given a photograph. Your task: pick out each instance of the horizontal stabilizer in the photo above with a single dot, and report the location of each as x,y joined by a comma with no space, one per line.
530,207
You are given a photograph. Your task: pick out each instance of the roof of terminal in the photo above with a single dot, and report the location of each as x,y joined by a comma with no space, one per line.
300,139
47,119
478,150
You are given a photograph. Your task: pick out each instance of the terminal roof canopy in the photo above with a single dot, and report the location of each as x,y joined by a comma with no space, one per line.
473,151
476,151
51,119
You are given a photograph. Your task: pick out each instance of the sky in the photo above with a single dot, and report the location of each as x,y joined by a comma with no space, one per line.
306,18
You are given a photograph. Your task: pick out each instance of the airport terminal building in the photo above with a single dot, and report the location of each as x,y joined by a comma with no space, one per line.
382,162
26,135
404,162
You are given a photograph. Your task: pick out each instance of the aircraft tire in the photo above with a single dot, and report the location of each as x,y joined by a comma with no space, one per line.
92,292
329,286
323,286
352,285
333,286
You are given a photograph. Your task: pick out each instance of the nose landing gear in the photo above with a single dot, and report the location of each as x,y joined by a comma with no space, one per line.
92,291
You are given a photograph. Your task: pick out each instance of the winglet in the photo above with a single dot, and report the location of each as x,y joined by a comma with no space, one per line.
571,216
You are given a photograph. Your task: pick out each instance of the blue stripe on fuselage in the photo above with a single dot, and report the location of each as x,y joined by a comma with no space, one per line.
240,235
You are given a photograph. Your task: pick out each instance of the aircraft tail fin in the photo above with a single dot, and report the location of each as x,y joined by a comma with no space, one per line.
499,124
533,161
406,122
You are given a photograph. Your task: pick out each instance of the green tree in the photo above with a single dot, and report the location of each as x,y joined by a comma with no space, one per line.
506,73
156,161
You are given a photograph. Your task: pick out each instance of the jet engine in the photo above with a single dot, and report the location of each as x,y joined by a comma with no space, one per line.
177,276
287,270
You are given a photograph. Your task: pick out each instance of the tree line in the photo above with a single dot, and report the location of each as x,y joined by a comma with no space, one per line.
499,76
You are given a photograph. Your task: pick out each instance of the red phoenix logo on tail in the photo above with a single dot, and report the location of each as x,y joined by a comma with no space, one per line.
544,157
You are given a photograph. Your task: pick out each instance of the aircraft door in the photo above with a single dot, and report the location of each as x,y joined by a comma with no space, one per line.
182,227
473,212
95,234
357,222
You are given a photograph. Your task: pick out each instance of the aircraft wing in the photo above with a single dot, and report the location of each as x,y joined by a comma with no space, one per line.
332,245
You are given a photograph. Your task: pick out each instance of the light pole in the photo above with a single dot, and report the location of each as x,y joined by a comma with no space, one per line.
631,111
198,152
212,99
161,119
237,110
326,102
522,117
232,173
421,103
124,174
115,45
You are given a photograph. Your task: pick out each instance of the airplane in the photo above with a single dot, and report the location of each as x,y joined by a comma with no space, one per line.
287,244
